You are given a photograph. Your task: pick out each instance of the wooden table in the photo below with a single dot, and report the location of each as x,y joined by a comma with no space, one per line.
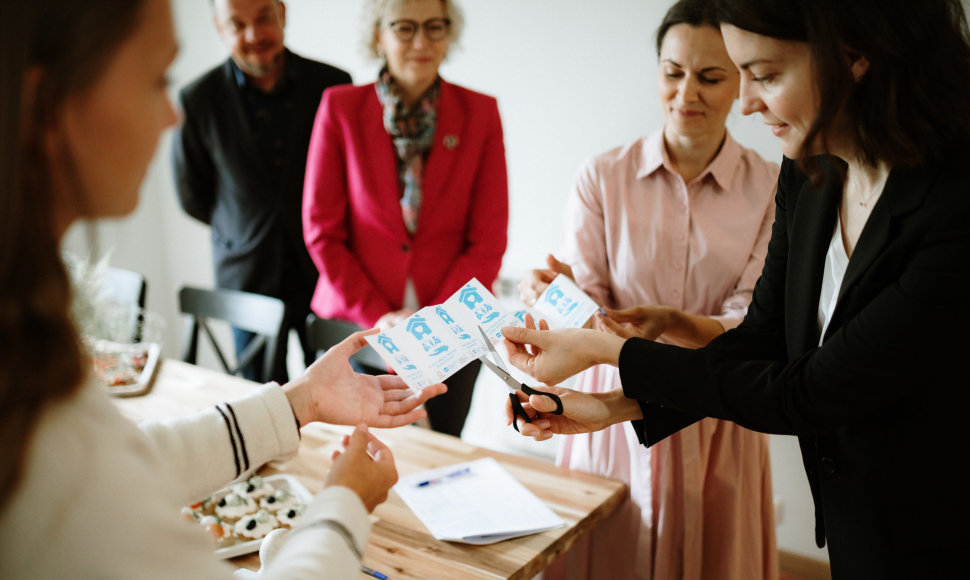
400,546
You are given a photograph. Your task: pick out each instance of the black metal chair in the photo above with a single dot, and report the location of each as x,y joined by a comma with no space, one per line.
129,288
262,315
324,333
125,286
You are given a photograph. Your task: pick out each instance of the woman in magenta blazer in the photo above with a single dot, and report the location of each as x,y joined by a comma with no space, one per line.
406,192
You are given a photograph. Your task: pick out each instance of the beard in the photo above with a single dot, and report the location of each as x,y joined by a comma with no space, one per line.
257,68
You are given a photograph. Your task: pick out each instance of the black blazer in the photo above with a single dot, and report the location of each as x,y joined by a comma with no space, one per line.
222,180
880,408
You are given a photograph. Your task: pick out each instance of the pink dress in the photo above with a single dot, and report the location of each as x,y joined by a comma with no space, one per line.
700,502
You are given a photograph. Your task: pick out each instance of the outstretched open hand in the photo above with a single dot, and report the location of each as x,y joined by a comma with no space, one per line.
331,391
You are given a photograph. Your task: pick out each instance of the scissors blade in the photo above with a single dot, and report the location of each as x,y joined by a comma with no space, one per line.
491,347
508,379
493,361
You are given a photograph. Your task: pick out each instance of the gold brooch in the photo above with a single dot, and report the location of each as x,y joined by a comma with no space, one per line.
450,141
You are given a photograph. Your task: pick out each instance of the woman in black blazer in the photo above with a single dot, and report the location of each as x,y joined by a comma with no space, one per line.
856,334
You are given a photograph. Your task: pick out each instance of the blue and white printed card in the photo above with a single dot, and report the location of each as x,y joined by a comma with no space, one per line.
390,345
473,306
438,341
433,345
564,304
469,341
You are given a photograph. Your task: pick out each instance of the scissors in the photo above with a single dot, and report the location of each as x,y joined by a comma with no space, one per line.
498,367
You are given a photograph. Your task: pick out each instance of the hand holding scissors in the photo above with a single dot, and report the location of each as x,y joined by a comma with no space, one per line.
494,362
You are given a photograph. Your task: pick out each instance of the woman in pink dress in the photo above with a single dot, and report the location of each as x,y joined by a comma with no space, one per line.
669,233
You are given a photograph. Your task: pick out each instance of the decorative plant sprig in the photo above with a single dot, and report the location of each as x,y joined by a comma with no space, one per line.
96,314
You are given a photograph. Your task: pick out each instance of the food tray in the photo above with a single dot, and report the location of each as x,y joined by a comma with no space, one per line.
126,370
232,545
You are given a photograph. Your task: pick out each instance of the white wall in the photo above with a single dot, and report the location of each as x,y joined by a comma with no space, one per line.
571,81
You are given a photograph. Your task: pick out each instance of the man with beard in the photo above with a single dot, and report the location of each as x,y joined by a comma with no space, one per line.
239,157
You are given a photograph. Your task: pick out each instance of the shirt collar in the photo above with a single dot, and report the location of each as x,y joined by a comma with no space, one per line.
654,155
726,163
722,168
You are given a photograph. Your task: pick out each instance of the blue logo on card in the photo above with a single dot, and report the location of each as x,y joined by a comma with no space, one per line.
554,294
557,298
443,315
388,344
418,327
470,297
456,328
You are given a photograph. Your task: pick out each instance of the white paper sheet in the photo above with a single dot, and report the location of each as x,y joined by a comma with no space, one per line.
477,502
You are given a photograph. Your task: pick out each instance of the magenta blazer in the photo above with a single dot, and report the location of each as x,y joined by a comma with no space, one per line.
352,220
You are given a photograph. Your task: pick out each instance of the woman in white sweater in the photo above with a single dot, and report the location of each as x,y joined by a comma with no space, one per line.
84,493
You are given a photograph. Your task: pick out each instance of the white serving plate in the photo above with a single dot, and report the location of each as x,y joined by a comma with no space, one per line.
145,379
280,480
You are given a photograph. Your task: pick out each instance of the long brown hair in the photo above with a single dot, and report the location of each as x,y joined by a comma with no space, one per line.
63,45
911,103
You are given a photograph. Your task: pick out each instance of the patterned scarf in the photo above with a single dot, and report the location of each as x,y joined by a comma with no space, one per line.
412,131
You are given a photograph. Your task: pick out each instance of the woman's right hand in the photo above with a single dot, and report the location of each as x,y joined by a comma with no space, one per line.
365,466
582,412
535,283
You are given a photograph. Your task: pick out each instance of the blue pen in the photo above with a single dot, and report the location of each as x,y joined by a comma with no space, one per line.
372,572
451,475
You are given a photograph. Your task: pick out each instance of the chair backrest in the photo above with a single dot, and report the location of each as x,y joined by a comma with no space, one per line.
262,315
324,333
125,286
130,288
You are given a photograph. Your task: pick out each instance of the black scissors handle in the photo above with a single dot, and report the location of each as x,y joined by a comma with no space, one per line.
519,413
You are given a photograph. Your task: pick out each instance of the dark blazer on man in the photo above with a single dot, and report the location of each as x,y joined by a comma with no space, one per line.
881,407
222,180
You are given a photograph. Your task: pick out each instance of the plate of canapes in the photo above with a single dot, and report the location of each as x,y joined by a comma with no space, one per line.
239,516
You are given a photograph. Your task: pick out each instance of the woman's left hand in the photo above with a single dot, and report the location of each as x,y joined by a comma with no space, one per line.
582,412
331,391
365,466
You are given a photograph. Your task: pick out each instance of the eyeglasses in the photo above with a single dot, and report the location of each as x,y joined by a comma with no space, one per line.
435,29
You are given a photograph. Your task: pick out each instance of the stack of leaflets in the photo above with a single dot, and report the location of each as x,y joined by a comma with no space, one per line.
438,341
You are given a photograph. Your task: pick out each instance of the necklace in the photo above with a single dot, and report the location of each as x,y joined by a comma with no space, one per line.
864,203
876,190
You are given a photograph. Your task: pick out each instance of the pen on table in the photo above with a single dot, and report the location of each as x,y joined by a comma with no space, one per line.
435,480
372,572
